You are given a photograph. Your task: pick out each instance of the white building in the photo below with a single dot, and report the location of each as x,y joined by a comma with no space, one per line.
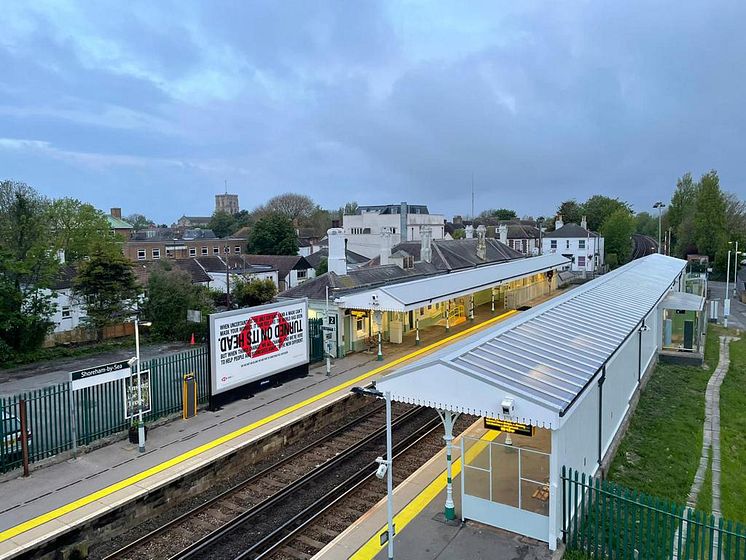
576,242
363,229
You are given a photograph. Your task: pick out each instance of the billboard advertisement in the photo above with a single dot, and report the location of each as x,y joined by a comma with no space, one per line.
253,343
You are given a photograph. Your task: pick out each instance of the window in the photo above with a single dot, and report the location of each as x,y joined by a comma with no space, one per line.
156,253
581,262
237,249
581,244
192,251
553,243
568,244
226,249
302,273
203,250
141,254
360,324
216,250
66,312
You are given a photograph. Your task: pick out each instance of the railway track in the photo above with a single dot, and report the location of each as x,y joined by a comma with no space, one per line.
643,245
253,532
175,536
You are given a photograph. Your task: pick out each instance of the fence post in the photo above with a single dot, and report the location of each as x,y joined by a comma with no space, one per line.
73,418
24,435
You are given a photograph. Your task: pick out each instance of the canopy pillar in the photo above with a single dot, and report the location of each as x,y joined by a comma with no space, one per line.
449,419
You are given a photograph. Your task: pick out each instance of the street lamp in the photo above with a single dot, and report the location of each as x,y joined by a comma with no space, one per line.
735,271
726,299
659,205
540,222
132,362
386,466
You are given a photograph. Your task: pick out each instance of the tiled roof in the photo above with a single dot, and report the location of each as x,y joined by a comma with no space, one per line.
117,223
570,231
282,263
352,257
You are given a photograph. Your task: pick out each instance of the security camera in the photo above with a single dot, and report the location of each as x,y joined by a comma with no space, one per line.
131,362
382,467
508,407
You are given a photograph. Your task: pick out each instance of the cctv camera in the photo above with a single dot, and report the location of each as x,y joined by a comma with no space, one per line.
508,407
382,467
131,362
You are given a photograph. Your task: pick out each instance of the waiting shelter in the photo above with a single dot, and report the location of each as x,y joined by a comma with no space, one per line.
558,379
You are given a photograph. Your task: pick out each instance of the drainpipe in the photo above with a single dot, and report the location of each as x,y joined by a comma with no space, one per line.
600,415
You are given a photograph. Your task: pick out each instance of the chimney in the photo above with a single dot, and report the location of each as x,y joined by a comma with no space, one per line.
584,223
337,259
426,238
558,223
385,246
503,229
469,232
482,243
403,212
116,213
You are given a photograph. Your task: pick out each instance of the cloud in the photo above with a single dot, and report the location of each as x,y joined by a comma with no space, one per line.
153,105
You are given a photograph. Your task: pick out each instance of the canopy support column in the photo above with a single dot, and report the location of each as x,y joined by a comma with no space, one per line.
471,307
493,298
449,419
448,316
417,329
379,323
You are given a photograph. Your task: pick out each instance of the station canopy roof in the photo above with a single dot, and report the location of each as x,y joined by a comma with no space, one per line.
544,358
684,301
406,296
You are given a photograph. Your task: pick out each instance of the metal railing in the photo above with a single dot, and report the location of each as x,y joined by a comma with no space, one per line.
606,520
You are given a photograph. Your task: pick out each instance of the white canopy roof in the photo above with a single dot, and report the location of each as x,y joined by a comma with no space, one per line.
414,294
684,301
543,358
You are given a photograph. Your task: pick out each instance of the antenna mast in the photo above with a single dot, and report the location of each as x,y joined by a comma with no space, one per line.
472,195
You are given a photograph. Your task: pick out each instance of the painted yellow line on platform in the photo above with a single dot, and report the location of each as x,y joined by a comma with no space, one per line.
369,550
134,479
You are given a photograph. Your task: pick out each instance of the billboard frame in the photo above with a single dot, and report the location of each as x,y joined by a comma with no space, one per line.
213,352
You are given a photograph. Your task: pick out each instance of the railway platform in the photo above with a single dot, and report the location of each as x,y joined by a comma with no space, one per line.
62,496
422,530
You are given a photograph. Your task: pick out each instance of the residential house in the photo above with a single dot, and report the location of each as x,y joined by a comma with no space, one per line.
584,247
219,268
117,224
159,243
292,270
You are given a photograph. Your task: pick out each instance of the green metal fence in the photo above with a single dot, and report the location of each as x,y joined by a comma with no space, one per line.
99,410
605,520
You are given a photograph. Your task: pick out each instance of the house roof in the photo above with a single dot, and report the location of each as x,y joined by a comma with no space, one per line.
454,254
522,231
282,263
65,277
117,223
143,270
570,230
215,263
200,219
352,257
545,357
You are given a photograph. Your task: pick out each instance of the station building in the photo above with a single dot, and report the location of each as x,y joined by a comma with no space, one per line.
562,376
422,286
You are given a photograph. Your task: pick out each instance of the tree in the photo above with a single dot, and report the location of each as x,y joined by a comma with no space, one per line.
273,235
350,208
646,224
599,207
221,223
296,207
709,218
683,201
253,292
571,211
499,213
459,233
106,284
78,228
170,293
617,231
138,221
323,267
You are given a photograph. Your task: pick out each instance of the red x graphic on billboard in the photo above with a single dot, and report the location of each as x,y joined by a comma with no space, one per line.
272,331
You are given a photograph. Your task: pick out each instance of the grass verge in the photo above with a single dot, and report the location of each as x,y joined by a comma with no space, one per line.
660,451
72,351
733,435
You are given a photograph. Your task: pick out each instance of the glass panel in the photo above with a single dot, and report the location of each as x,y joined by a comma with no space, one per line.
477,453
504,474
535,497
534,466
477,483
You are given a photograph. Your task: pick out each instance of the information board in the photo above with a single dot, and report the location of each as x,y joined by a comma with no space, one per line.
130,394
253,343
509,427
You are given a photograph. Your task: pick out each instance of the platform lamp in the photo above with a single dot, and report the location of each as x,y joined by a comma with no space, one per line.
659,205
132,362
385,466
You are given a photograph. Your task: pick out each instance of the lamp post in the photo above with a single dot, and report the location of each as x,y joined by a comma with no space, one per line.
659,205
140,423
735,271
726,299
386,465
539,222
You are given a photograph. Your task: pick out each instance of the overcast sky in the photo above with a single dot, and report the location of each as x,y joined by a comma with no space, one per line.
152,105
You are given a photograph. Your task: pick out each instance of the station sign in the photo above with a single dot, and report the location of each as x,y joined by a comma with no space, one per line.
509,427
98,375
